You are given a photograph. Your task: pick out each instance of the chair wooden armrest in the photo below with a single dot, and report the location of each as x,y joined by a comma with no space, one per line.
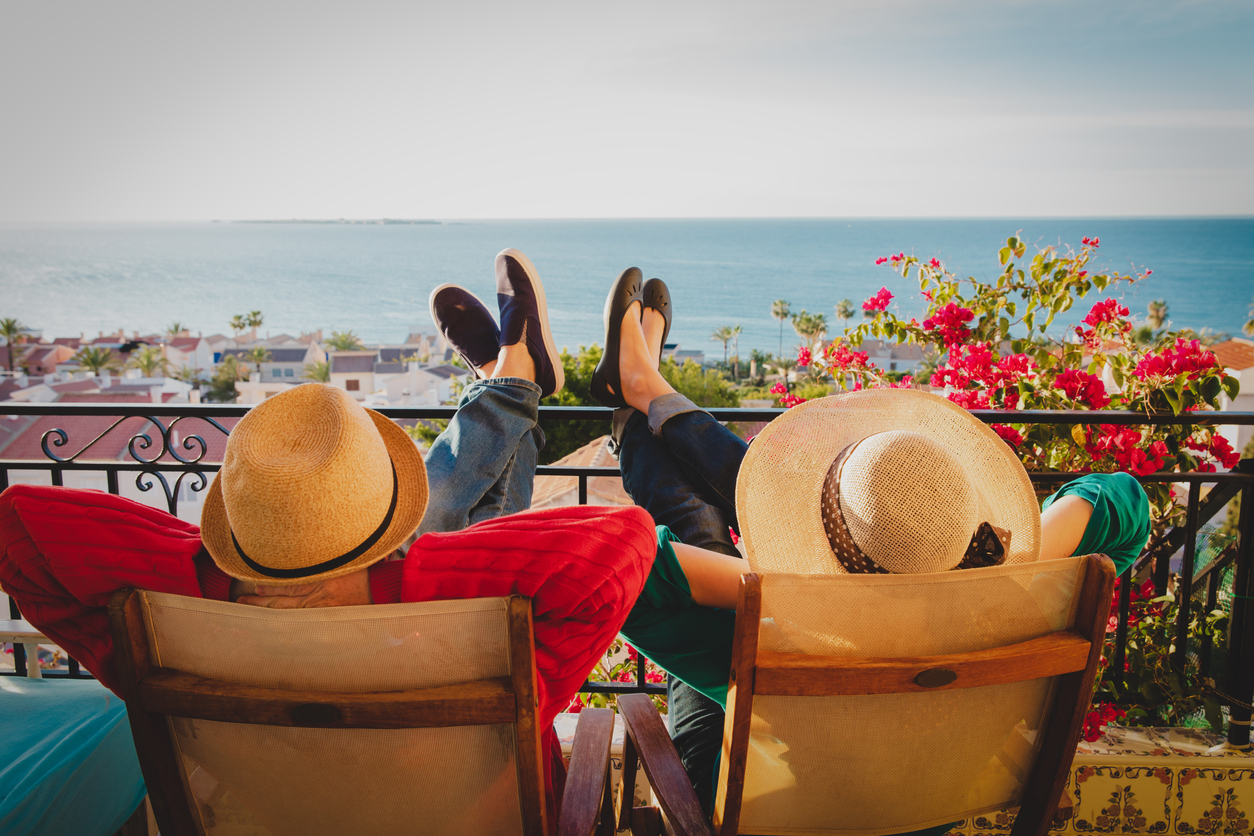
589,795
646,735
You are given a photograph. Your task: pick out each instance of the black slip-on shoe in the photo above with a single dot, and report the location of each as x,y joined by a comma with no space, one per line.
656,295
466,324
606,386
525,317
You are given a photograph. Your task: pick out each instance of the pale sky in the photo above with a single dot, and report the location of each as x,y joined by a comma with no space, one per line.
123,110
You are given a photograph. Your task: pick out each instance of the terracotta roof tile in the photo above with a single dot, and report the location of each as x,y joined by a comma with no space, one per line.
1235,354
552,491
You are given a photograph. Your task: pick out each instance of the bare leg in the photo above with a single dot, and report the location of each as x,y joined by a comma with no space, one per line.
513,361
637,358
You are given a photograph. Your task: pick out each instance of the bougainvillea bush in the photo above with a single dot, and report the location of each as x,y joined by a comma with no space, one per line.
995,347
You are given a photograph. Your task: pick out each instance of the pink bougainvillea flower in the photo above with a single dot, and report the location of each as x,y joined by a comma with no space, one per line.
973,399
1091,242
1008,434
779,389
1107,310
789,401
735,538
1185,357
840,357
950,322
1222,450
1084,387
576,706
803,356
878,302
881,260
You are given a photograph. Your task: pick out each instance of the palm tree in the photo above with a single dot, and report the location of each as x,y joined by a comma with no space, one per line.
175,329
319,372
254,320
785,365
779,310
258,355
96,359
149,360
187,374
238,324
13,332
810,327
844,312
344,341
222,385
723,335
1248,327
1157,313
735,335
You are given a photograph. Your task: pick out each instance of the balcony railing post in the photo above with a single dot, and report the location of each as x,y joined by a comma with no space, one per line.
1239,680
1121,629
1184,585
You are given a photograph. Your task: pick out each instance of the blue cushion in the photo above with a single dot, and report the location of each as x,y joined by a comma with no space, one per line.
67,761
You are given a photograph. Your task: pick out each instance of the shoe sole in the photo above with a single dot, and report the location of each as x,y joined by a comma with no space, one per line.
431,311
542,308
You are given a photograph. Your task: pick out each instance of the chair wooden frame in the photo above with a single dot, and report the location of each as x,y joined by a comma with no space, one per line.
1071,655
153,694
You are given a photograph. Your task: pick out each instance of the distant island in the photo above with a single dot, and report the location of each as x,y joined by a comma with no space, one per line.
376,221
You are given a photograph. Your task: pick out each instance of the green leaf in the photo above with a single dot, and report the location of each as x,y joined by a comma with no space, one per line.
1231,386
1173,399
1010,308
1214,714
1117,372
1004,254
1029,318
1016,346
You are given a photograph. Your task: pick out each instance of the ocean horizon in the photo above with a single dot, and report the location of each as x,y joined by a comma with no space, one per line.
373,277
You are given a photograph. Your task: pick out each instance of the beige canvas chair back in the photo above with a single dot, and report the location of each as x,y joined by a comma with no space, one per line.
852,757
297,766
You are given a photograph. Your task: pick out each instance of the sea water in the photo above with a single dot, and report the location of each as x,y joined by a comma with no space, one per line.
374,279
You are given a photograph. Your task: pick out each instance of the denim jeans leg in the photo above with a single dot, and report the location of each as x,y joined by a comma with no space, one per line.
676,497
483,465
710,453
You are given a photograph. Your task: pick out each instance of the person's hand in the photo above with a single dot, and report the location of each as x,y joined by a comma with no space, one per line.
344,591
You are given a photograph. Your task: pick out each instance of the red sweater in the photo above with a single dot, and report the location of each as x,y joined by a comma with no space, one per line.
64,552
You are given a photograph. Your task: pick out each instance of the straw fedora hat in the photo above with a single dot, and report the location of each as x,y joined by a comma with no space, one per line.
883,481
312,486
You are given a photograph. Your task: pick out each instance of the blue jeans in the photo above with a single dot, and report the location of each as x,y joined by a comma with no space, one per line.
680,465
483,465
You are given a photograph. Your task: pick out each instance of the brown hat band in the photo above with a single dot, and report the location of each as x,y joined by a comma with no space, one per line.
988,547
333,563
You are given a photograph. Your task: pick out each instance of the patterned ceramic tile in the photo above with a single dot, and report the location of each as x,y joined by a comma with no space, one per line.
1214,800
1122,799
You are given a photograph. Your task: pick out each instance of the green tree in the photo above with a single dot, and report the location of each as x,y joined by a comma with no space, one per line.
735,335
1156,314
254,320
149,360
319,372
222,384
784,365
810,327
175,329
257,355
723,335
844,312
238,323
14,333
1248,327
704,387
96,359
780,311
187,374
344,341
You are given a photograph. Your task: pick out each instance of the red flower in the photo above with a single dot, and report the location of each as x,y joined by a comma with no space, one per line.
789,401
898,257
1082,386
632,653
735,538
1090,338
1008,434
878,302
779,389
1223,453
934,263
839,356
1091,242
881,259
950,320
1185,357
803,356
1107,310
576,706
975,399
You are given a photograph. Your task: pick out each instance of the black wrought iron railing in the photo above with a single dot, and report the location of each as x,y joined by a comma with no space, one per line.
169,449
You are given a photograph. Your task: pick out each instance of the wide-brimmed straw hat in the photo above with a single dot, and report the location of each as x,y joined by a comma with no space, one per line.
883,481
312,486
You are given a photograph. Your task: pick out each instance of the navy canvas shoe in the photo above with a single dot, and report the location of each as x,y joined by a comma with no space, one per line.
525,317
466,324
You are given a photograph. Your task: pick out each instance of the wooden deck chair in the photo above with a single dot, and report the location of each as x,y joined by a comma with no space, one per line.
877,704
404,718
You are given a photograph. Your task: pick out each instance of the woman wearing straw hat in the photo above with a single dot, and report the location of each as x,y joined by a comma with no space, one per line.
868,482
